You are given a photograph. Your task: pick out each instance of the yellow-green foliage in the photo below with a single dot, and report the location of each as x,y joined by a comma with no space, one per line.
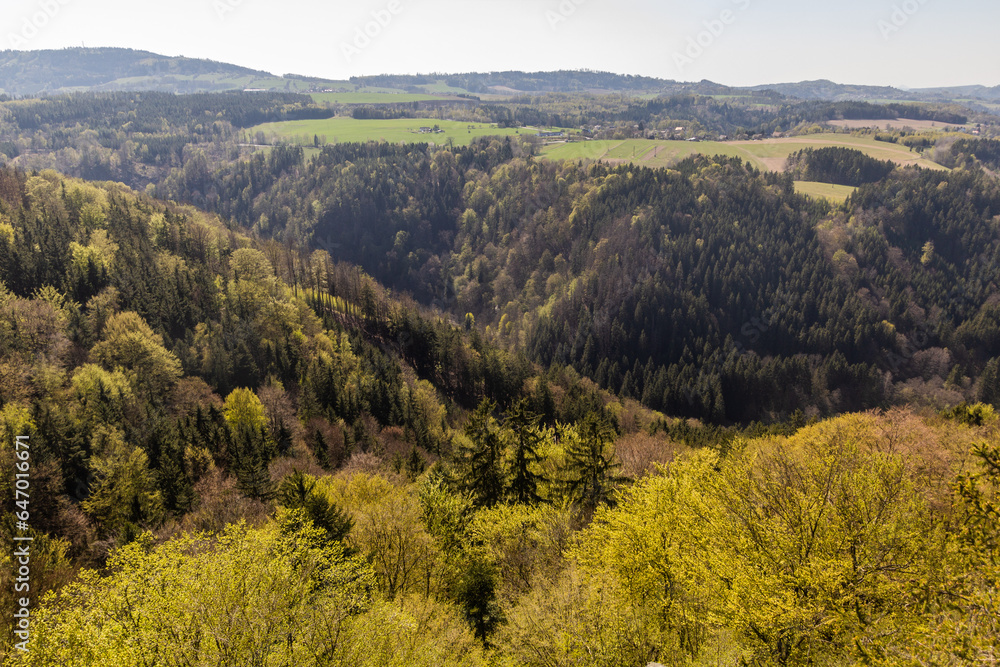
277,595
92,202
43,191
639,586
822,534
832,546
577,621
98,390
129,344
244,411
388,531
15,420
424,399
524,543
124,492
51,568
255,295
101,251
6,229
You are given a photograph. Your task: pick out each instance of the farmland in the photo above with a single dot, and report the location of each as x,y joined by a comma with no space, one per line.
897,124
402,130
768,154
835,193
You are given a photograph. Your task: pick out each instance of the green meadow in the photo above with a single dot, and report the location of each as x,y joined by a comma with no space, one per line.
402,130
835,193
769,154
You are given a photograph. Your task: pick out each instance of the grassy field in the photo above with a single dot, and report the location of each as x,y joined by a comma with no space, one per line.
897,124
769,154
375,98
645,151
442,87
835,193
403,130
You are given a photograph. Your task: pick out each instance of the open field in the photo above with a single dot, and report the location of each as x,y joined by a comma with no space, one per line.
402,130
898,124
835,193
375,98
768,154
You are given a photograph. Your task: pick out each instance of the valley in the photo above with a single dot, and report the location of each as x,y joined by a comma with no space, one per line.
500,368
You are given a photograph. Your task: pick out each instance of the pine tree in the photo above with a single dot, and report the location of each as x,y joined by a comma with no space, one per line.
298,491
591,462
415,464
251,456
480,463
522,434
542,401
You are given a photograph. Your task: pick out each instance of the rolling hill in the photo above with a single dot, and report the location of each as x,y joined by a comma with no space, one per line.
110,69
104,69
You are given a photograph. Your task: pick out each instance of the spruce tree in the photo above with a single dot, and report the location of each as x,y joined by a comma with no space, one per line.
591,461
523,436
480,462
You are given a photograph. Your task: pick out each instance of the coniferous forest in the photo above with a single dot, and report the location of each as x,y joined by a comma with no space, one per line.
373,403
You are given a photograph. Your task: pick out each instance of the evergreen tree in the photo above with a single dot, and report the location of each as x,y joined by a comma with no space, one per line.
522,433
298,491
415,464
591,463
250,466
480,462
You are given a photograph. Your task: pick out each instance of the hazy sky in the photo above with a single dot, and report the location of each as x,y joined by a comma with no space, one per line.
908,43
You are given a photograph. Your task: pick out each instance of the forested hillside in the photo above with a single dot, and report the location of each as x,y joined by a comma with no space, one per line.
256,454
135,138
969,152
52,71
842,166
709,290
372,403
172,375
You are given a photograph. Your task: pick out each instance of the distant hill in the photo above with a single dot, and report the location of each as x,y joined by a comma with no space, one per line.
828,90
109,69
965,92
563,81
114,69
823,89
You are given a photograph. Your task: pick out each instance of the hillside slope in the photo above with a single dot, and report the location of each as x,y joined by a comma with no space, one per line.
72,69
709,290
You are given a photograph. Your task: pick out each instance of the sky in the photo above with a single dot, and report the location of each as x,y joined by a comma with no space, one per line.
902,43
